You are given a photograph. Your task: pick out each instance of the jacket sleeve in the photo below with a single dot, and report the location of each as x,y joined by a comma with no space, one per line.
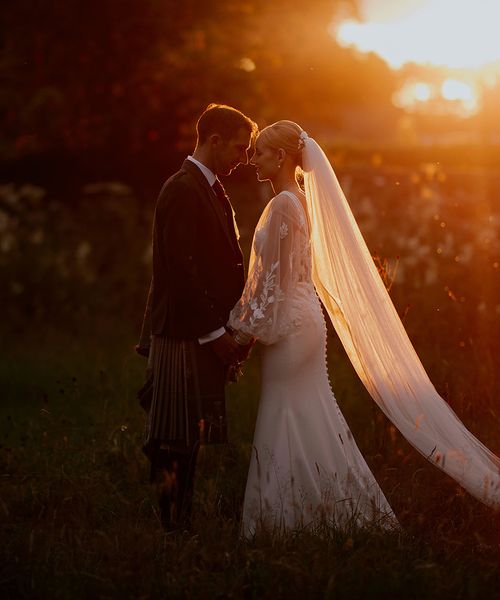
265,311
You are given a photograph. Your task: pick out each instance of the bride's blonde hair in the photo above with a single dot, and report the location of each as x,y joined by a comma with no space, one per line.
286,135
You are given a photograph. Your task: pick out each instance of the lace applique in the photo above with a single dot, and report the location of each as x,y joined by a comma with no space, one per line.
273,303
267,296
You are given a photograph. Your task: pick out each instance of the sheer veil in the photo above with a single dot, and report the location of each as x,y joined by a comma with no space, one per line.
375,340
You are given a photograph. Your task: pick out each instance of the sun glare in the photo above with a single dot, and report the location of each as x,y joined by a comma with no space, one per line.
451,33
413,93
417,95
422,92
453,89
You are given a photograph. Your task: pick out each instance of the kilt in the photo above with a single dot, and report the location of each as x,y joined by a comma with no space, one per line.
187,399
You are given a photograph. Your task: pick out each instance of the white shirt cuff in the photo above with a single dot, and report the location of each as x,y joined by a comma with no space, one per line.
210,337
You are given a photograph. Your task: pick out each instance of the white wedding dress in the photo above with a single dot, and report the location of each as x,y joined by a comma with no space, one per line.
305,466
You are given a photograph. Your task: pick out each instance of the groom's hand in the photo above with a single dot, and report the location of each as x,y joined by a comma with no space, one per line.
244,350
226,349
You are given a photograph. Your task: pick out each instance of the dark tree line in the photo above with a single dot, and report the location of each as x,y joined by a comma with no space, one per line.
114,86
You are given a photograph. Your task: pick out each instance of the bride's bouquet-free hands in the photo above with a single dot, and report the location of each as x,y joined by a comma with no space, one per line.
246,344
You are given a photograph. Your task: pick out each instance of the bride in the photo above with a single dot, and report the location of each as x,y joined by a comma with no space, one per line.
305,467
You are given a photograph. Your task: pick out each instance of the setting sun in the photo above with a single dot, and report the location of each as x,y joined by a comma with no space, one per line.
456,38
450,33
453,89
413,93
418,95
422,92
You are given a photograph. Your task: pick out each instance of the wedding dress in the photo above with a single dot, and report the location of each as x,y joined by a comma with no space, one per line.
295,423
305,466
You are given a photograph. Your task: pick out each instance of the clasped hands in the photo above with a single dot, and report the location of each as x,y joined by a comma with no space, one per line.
232,349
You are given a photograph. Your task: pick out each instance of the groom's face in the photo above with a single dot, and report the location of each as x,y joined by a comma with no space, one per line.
228,154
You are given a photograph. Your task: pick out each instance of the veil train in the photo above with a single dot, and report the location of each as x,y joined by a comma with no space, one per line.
376,342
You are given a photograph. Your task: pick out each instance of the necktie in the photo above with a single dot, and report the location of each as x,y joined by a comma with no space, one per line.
226,208
221,195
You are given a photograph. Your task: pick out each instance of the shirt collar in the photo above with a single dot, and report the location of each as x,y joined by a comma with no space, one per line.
211,178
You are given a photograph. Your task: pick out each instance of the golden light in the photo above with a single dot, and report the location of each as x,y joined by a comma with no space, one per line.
422,92
418,95
247,64
466,95
450,33
453,89
413,93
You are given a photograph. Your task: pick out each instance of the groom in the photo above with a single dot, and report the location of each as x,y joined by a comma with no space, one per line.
198,276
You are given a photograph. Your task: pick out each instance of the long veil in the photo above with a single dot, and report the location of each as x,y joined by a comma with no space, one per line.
376,342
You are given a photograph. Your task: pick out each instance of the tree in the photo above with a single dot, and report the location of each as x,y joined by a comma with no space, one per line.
120,82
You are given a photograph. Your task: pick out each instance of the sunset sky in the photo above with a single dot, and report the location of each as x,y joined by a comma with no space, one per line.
452,33
460,36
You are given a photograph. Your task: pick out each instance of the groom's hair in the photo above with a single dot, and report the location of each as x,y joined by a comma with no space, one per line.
224,120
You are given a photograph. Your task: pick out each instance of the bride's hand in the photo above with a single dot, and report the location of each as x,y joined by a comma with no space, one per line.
245,350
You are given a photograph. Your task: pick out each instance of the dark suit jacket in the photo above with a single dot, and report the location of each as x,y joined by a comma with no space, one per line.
198,273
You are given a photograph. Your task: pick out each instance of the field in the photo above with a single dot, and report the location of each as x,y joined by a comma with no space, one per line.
77,516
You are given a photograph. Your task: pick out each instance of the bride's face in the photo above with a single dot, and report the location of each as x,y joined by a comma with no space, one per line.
265,161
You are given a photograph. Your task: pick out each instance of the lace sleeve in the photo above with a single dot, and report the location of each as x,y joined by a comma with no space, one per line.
264,311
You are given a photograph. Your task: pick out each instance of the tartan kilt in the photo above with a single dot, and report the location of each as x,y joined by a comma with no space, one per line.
187,396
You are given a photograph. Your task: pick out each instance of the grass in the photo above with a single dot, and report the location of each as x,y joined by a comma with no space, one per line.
79,520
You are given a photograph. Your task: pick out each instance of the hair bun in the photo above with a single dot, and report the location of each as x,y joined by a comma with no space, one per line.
302,139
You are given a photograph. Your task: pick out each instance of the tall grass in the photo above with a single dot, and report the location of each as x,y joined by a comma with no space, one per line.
79,519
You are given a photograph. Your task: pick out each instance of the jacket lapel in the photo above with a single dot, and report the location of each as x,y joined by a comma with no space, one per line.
214,202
